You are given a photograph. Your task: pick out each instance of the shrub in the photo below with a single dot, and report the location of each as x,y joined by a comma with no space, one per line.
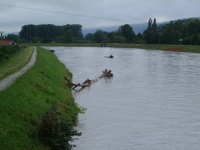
7,50
56,131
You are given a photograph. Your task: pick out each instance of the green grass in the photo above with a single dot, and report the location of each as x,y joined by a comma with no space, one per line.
30,97
15,62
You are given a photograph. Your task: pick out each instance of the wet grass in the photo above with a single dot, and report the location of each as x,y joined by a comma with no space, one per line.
30,97
16,61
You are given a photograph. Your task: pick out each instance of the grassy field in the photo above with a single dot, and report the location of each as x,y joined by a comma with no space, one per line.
178,48
29,98
16,62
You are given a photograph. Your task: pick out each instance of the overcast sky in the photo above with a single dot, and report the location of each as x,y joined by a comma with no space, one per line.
92,13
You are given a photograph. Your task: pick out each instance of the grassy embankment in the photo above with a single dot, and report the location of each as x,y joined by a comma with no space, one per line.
178,48
30,97
15,62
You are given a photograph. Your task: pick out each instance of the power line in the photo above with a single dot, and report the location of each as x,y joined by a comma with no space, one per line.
66,13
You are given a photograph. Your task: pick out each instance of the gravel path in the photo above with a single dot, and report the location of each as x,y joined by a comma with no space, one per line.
11,78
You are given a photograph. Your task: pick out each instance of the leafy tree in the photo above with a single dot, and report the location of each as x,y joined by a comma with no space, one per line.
100,36
28,32
112,36
150,23
151,34
171,33
89,37
13,37
49,32
127,32
69,36
57,131
36,40
76,29
140,39
60,39
119,39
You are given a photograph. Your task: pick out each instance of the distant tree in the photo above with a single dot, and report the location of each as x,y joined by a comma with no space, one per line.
69,36
154,24
60,39
36,40
28,32
140,39
49,32
100,36
171,33
89,37
112,36
13,37
127,32
192,32
119,39
150,23
151,34
75,28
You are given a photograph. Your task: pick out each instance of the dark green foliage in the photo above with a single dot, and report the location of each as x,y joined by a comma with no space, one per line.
140,39
36,40
184,31
112,36
89,37
181,32
12,37
69,36
171,33
7,50
127,32
60,39
119,39
151,34
49,33
57,131
101,36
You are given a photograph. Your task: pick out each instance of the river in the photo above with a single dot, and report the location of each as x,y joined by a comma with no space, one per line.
151,103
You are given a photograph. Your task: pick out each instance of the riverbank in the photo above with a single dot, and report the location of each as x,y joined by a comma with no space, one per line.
16,62
178,48
40,94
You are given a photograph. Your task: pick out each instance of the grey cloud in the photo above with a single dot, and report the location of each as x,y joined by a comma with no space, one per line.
87,12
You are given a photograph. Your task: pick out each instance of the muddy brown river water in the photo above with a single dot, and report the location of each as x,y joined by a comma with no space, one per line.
151,103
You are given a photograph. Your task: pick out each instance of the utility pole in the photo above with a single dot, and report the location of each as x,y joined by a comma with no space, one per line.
1,32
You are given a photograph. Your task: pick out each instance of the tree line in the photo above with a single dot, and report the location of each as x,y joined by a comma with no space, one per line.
185,31
46,33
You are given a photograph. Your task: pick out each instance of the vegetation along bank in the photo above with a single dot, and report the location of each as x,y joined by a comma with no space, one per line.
19,58
38,111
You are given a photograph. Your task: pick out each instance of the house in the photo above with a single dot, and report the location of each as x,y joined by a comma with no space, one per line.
7,42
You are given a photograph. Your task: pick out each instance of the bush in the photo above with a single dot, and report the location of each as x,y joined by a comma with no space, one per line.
7,50
56,131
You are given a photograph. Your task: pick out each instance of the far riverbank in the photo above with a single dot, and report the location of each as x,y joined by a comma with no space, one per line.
178,48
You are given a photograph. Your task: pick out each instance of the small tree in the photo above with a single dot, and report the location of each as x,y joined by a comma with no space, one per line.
56,131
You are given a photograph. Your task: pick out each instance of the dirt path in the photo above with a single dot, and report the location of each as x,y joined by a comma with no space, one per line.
11,78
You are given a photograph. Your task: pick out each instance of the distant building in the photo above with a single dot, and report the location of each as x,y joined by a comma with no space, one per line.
7,42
